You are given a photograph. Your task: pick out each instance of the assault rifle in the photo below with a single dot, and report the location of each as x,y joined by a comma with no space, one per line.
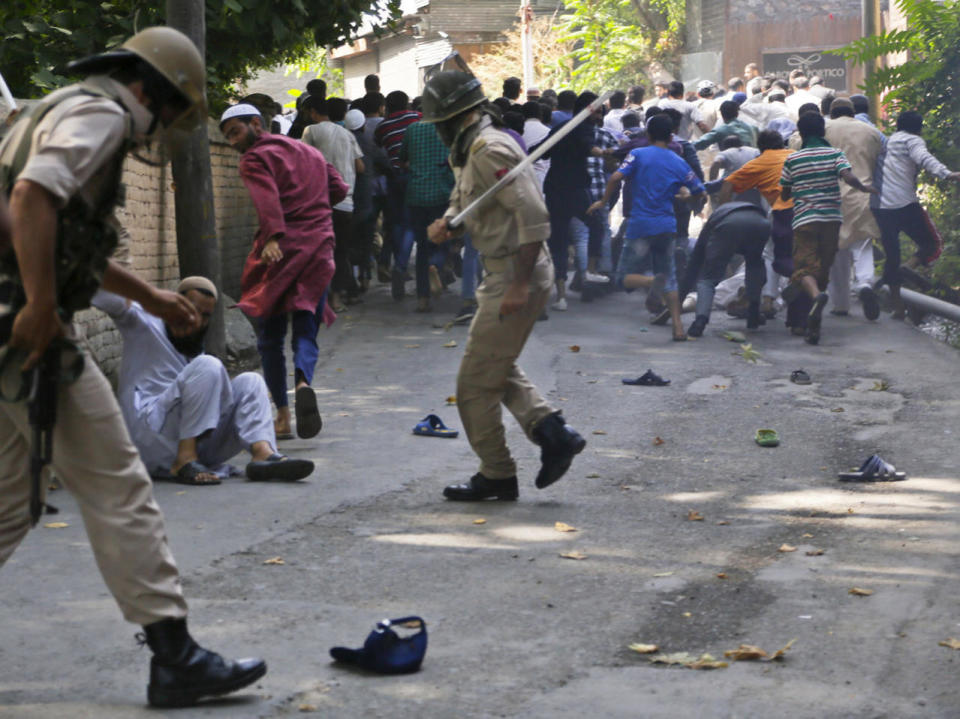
44,381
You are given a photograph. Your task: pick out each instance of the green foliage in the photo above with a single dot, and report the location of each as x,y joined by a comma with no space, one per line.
615,40
926,79
40,36
315,63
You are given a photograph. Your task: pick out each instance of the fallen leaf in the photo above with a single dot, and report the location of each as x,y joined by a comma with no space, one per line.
56,525
950,643
850,510
275,560
480,520
674,658
573,555
707,662
593,475
598,431
339,369
787,548
838,409
657,441
308,708
735,337
815,553
592,381
782,650
564,527
451,343
723,522
694,516
879,386
719,386
647,648
687,615
721,575
663,574
808,536
411,347
858,592
452,399
574,348
182,491
745,652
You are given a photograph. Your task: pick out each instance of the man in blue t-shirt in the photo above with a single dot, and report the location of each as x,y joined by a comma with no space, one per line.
657,174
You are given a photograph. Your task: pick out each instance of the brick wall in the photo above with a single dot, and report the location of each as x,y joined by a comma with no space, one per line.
148,217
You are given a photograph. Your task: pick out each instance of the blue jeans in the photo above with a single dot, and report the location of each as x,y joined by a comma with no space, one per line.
303,342
397,217
656,250
427,252
470,271
580,236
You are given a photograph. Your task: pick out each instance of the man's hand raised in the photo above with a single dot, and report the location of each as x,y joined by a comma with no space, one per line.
176,310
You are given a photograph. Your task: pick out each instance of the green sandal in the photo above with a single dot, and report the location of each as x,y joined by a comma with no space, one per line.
767,438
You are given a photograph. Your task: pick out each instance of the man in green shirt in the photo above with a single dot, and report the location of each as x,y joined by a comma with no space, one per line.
732,125
429,183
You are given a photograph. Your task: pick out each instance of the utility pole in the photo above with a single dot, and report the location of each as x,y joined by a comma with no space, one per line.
871,24
197,248
526,43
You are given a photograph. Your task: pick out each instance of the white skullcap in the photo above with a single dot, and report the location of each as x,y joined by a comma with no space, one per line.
354,119
196,282
241,110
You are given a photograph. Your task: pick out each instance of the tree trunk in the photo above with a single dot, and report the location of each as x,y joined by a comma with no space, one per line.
197,248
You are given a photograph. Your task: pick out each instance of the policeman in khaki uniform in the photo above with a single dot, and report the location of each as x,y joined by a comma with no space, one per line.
60,166
509,232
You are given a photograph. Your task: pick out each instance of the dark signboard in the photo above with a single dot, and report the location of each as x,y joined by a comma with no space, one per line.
832,68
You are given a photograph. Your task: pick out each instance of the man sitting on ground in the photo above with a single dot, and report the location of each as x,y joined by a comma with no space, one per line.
184,413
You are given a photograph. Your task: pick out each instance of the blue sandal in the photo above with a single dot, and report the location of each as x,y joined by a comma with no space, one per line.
433,426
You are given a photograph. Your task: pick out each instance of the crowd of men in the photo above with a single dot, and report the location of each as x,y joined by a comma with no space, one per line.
829,196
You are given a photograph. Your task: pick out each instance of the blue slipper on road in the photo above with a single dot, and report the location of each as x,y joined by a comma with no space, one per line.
433,426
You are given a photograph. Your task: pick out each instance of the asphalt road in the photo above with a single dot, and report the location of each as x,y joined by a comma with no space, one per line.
515,629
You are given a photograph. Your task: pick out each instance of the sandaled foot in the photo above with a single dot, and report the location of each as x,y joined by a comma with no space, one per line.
192,473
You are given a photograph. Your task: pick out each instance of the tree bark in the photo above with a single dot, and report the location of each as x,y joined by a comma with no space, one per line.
197,248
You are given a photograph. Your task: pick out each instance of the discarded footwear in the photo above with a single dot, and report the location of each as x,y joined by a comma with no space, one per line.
182,672
655,301
799,376
697,326
870,303
874,469
385,651
559,444
767,438
279,468
648,379
190,474
479,488
309,422
433,426
815,318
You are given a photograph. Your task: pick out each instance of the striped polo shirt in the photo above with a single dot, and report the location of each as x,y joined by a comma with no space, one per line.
389,133
813,175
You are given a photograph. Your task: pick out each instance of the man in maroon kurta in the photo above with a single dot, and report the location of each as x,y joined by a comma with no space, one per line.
290,266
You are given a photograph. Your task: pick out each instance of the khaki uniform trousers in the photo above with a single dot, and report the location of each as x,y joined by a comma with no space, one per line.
100,466
489,375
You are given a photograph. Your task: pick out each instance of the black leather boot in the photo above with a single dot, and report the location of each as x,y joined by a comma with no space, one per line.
182,672
559,444
480,488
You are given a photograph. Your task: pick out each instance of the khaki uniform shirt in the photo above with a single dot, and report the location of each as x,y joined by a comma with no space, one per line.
75,140
515,216
862,144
